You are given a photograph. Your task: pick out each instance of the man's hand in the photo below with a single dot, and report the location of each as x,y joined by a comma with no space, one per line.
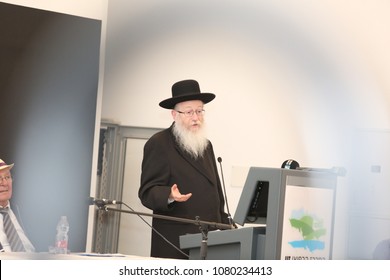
177,196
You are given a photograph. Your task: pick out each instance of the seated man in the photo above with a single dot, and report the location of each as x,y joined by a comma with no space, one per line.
12,236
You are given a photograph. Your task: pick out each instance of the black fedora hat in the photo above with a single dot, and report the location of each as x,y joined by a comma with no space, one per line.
184,91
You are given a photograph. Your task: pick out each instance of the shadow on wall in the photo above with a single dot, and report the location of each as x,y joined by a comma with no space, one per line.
382,250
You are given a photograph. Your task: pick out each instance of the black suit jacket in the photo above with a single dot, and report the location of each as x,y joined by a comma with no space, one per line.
165,164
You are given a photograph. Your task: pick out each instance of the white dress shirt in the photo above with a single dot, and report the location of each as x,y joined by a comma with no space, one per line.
3,238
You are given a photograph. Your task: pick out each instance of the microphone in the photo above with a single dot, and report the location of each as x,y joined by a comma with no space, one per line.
100,203
231,223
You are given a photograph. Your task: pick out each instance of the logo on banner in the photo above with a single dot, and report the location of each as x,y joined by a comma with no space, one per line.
311,229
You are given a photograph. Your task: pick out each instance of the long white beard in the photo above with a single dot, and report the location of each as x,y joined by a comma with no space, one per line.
194,143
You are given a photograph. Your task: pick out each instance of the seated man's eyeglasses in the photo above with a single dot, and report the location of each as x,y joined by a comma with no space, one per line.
6,178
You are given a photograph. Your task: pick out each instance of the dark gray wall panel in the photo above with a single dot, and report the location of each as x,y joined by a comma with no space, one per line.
48,93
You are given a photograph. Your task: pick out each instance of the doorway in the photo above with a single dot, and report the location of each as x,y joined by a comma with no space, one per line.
119,172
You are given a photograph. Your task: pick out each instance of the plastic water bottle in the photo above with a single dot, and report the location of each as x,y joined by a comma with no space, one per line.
61,244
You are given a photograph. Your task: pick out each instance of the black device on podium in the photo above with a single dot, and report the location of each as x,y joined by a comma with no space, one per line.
261,212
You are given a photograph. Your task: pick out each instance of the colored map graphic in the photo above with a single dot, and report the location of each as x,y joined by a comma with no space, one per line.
311,230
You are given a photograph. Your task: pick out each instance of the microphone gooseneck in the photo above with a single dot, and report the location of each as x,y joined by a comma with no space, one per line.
232,224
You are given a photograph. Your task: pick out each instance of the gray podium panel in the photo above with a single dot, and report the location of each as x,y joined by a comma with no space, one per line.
283,202
280,200
236,244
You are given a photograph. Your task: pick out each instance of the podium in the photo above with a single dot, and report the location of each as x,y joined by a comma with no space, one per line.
235,244
290,213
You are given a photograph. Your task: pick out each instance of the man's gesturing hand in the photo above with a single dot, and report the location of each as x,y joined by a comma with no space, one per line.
177,196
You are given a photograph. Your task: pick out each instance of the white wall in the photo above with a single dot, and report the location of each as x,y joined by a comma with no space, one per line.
293,79
95,9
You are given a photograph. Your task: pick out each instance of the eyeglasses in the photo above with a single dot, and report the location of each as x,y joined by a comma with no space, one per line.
190,113
6,178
